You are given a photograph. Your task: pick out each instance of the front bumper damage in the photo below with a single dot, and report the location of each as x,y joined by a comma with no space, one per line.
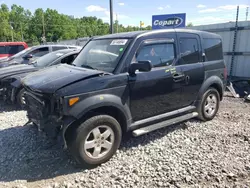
45,114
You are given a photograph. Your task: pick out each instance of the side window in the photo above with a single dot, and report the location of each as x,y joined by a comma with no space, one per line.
55,48
20,48
160,55
189,49
40,52
3,50
213,49
69,59
13,49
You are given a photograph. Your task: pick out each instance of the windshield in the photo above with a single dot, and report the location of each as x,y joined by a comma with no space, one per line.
46,60
102,54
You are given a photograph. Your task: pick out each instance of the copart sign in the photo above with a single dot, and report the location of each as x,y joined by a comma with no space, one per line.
168,21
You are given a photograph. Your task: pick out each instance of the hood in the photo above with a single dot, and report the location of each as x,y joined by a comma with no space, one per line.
6,59
16,69
3,59
55,77
7,62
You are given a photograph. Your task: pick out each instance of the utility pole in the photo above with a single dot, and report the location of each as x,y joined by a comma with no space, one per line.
247,13
12,34
44,38
117,24
22,31
111,16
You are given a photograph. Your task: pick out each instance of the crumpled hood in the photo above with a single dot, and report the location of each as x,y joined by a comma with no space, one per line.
17,69
53,78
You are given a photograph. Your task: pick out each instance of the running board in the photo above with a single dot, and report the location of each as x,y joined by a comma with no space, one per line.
232,90
166,123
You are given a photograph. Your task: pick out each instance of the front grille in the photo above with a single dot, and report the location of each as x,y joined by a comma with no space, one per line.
37,107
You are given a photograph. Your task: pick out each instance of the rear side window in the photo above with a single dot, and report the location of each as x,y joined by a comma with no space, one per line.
189,49
213,49
15,49
3,50
55,48
20,48
160,55
12,49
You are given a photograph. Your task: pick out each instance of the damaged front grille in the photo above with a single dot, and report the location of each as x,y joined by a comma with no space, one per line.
41,111
37,106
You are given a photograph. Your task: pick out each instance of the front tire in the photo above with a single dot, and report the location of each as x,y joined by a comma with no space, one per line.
96,140
20,98
209,105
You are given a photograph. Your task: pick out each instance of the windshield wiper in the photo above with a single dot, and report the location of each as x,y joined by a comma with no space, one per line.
88,67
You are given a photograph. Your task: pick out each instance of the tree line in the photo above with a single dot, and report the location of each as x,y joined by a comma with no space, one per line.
19,24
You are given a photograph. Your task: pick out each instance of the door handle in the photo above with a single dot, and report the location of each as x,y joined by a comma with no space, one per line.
178,77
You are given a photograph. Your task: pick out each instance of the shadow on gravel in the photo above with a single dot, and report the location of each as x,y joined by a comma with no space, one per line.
26,154
130,141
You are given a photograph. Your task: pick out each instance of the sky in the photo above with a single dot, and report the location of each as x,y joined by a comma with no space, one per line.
131,12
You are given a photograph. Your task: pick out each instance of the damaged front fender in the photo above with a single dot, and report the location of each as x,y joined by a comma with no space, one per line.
67,122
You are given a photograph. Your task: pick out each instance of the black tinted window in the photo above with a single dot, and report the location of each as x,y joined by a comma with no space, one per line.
213,49
69,59
39,52
13,49
3,50
55,48
20,48
189,50
160,55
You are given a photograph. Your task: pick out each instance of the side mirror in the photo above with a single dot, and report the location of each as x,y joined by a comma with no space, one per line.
142,66
28,56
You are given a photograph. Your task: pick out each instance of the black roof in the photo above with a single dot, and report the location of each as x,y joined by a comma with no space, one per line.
135,34
132,34
54,45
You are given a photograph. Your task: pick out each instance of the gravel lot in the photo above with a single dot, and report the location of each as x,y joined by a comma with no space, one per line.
192,154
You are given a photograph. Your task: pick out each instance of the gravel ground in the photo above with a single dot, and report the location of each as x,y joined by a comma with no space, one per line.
192,154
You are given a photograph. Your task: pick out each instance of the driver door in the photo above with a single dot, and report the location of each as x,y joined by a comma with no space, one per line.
155,92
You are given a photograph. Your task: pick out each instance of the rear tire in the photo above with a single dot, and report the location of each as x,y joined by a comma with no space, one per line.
209,105
96,140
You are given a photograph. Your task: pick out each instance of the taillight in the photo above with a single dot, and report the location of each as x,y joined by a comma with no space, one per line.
225,73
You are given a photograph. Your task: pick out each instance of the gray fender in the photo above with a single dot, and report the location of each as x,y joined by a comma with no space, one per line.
213,80
102,100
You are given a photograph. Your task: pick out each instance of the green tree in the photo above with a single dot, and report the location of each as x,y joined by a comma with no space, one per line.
5,29
19,18
55,26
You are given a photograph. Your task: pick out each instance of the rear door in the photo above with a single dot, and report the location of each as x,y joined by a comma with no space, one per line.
191,64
